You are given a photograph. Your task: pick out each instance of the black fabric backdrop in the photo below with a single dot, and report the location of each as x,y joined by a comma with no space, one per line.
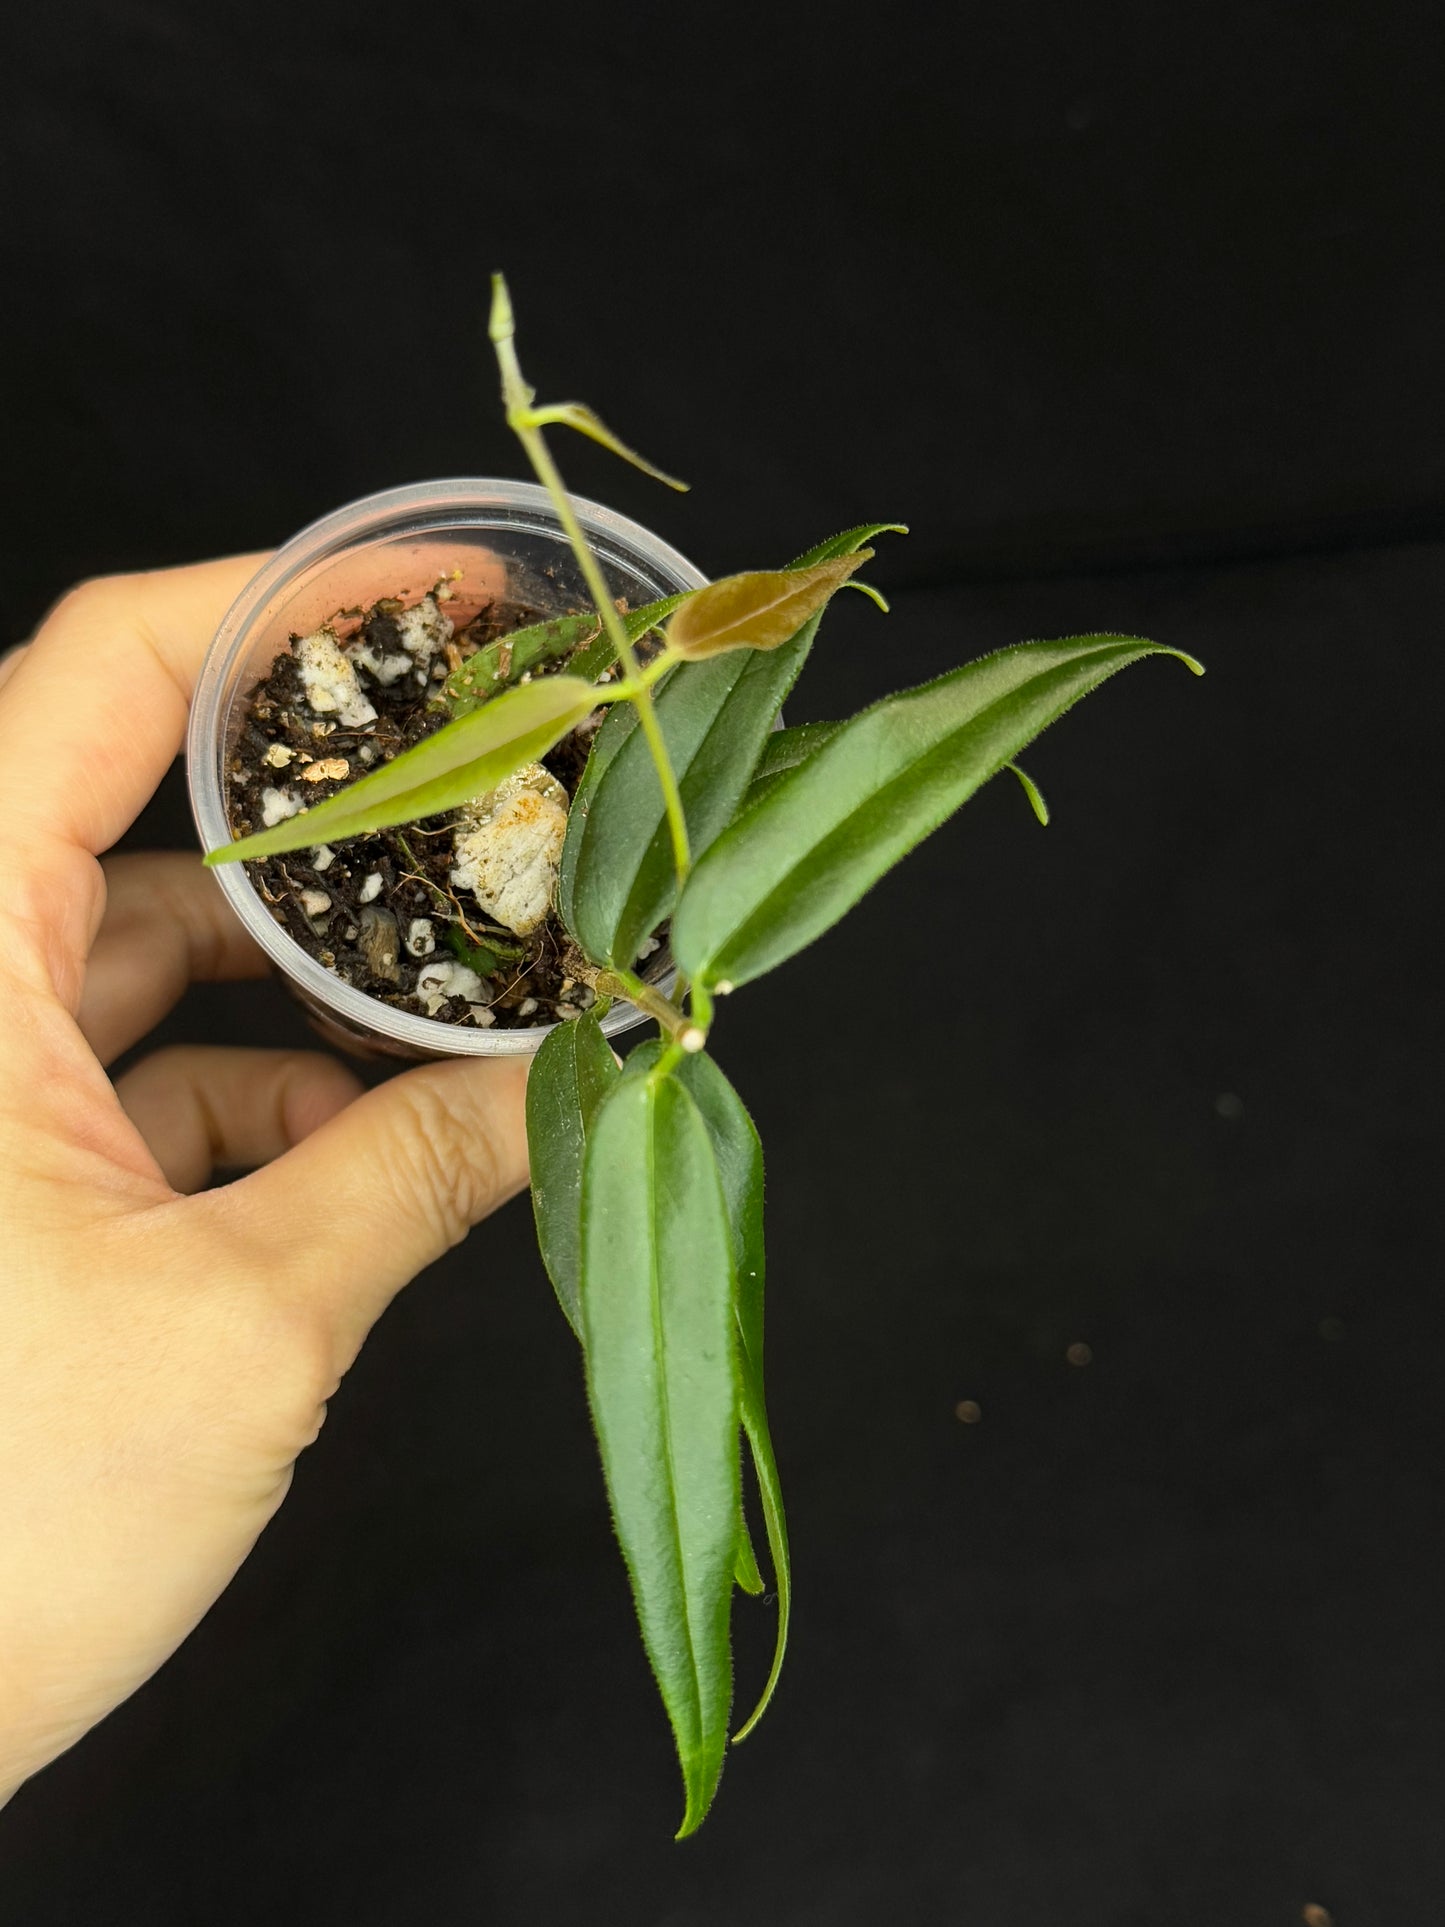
1134,314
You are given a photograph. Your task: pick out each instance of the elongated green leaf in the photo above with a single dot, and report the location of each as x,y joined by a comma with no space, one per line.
662,1374
599,654
760,610
617,880
801,856
846,542
739,1154
504,662
586,421
784,750
571,1074
462,760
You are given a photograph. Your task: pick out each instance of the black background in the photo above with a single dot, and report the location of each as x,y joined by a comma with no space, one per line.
1134,313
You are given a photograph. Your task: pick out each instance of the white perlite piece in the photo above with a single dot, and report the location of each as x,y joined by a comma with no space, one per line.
424,629
322,857
435,982
508,846
277,805
420,938
370,889
278,756
385,669
330,680
315,902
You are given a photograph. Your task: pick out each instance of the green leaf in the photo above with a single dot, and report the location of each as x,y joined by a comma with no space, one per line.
487,959
571,1074
739,1154
847,542
1032,791
599,654
617,878
784,750
462,760
803,854
762,609
576,414
875,596
662,1375
504,662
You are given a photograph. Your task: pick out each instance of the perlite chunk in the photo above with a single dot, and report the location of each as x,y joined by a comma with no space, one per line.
278,805
329,680
423,629
508,846
435,982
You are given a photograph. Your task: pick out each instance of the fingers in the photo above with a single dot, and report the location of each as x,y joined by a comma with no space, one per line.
93,711
386,1188
199,1107
166,925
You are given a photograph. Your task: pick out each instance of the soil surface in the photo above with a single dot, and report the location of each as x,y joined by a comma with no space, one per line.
382,911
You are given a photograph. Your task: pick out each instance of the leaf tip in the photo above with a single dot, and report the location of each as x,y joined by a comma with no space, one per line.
699,1801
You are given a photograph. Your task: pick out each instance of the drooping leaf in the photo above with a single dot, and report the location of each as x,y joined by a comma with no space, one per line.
586,421
571,1074
739,1154
875,596
770,1491
500,664
745,1566
801,856
1032,791
661,1352
617,880
762,609
462,760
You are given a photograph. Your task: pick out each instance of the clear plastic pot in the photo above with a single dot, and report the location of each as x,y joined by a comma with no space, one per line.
505,539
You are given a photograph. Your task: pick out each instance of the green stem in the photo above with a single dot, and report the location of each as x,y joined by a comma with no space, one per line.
679,1025
523,420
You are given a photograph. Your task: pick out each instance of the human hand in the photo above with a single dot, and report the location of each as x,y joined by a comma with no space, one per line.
165,1357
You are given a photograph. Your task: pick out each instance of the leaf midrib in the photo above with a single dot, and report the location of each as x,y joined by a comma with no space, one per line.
665,1403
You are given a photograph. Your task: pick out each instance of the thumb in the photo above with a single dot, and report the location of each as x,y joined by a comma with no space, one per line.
357,1209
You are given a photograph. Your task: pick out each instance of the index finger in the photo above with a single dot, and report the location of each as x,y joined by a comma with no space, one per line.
94,709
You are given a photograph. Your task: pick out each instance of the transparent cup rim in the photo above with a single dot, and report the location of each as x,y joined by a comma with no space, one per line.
410,508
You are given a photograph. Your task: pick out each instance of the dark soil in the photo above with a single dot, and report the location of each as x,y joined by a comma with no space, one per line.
527,981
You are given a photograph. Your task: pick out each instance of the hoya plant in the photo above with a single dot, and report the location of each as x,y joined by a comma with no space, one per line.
700,824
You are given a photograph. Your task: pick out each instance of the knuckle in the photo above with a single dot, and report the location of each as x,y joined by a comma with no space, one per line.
450,1162
91,599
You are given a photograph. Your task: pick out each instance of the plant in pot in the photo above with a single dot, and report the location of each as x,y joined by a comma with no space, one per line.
481,801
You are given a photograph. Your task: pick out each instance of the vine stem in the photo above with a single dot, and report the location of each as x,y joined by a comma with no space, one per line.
526,422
